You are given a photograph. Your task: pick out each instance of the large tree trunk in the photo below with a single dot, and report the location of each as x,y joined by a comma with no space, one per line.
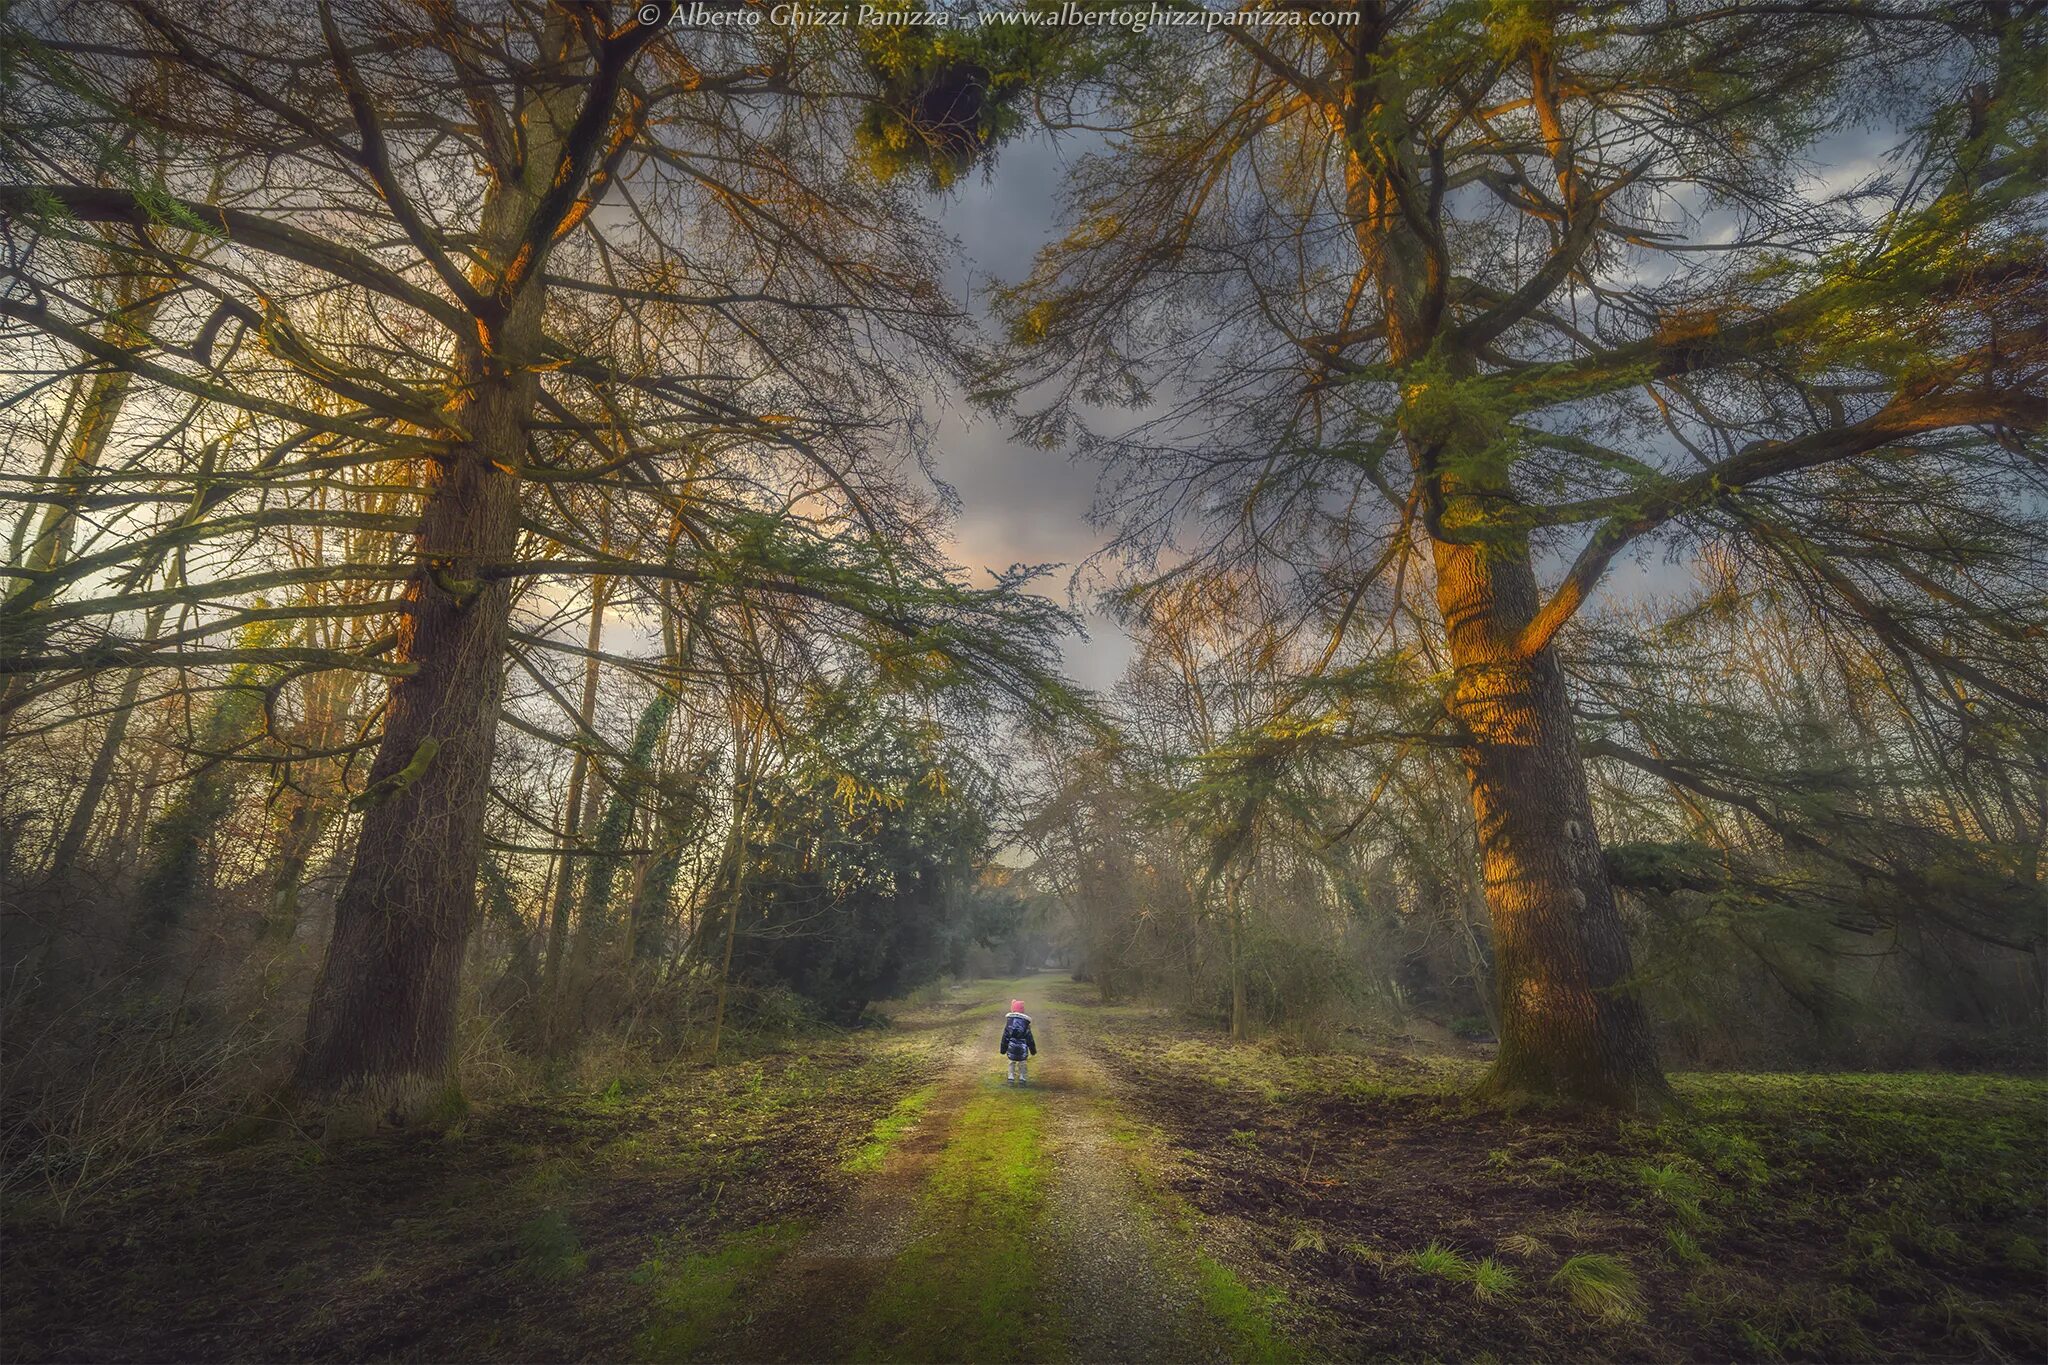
1571,1025
1472,910
382,1023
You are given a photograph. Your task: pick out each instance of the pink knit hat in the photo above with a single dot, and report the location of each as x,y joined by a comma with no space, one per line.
1016,1007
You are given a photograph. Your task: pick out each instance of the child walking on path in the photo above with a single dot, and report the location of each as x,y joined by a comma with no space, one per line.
1018,1044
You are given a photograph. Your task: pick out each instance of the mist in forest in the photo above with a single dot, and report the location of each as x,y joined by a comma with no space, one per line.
1413,567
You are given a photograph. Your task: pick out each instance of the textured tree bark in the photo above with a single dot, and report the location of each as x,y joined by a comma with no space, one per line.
382,1022
1571,1025
1472,902
381,1028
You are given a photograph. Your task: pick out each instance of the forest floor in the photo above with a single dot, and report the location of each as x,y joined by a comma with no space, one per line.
1154,1194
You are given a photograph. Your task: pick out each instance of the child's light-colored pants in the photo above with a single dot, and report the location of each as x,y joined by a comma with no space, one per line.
1019,1068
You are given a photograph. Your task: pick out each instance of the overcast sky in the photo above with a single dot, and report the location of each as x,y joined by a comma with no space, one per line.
1019,505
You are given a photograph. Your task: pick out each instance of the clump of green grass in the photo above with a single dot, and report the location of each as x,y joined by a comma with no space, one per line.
621,1091
1489,1278
1683,1248
1446,1263
1245,1315
887,1130
1677,1184
1492,1280
1600,1285
1719,1147
1308,1237
1365,1255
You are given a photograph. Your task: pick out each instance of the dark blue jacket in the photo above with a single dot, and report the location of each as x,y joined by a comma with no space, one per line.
1017,1034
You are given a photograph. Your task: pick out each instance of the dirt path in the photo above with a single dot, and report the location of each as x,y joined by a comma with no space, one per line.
1002,1223
1127,1294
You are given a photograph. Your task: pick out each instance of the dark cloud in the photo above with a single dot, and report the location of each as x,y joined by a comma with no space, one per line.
1018,504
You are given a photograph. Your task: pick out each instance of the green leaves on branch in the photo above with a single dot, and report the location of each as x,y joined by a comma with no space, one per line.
916,620
947,95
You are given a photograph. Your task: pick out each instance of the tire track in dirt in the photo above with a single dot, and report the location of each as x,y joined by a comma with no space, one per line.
1121,1295
1113,1292
807,1311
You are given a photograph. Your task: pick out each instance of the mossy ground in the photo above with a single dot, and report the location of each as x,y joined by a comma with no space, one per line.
696,1292
972,1288
890,1127
1845,1217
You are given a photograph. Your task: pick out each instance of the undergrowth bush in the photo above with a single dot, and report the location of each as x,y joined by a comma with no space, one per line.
91,1095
